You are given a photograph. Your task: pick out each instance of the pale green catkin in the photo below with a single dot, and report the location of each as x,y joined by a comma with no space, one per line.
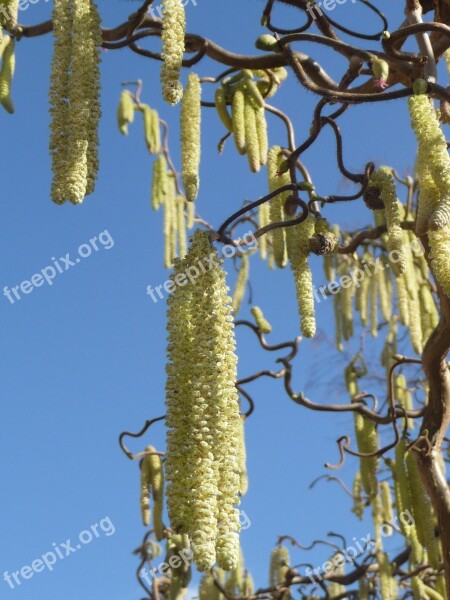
384,181
172,37
234,581
190,136
261,130
347,294
251,136
386,502
404,396
202,460
181,226
238,119
358,503
277,204
260,321
241,283
152,131
125,111
170,223
373,307
298,250
243,478
366,436
7,74
279,566
422,510
263,221
402,300
384,292
160,181
362,293
152,480
208,590
336,589
440,257
221,107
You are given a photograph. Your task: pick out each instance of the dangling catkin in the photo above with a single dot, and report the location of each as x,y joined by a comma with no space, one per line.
202,461
152,130
238,119
279,567
221,107
190,136
277,204
433,150
159,181
74,99
152,479
241,284
358,503
170,222
172,36
384,180
7,74
263,221
298,250
125,111
440,257
260,321
181,227
251,136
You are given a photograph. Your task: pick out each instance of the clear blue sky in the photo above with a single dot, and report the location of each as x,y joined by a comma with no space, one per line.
84,358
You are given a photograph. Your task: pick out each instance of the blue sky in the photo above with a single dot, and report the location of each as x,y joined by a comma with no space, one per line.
84,357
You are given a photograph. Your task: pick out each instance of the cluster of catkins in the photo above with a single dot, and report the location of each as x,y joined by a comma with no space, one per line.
203,468
433,174
247,121
75,99
411,502
368,280
179,210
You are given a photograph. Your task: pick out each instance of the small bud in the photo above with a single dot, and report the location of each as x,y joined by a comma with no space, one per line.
267,42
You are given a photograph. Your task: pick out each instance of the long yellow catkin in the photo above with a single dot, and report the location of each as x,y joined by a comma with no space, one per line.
440,257
159,181
190,136
298,250
170,223
263,221
172,36
74,99
59,95
241,283
384,180
275,181
238,119
433,150
279,566
202,460
221,107
152,130
251,136
7,74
